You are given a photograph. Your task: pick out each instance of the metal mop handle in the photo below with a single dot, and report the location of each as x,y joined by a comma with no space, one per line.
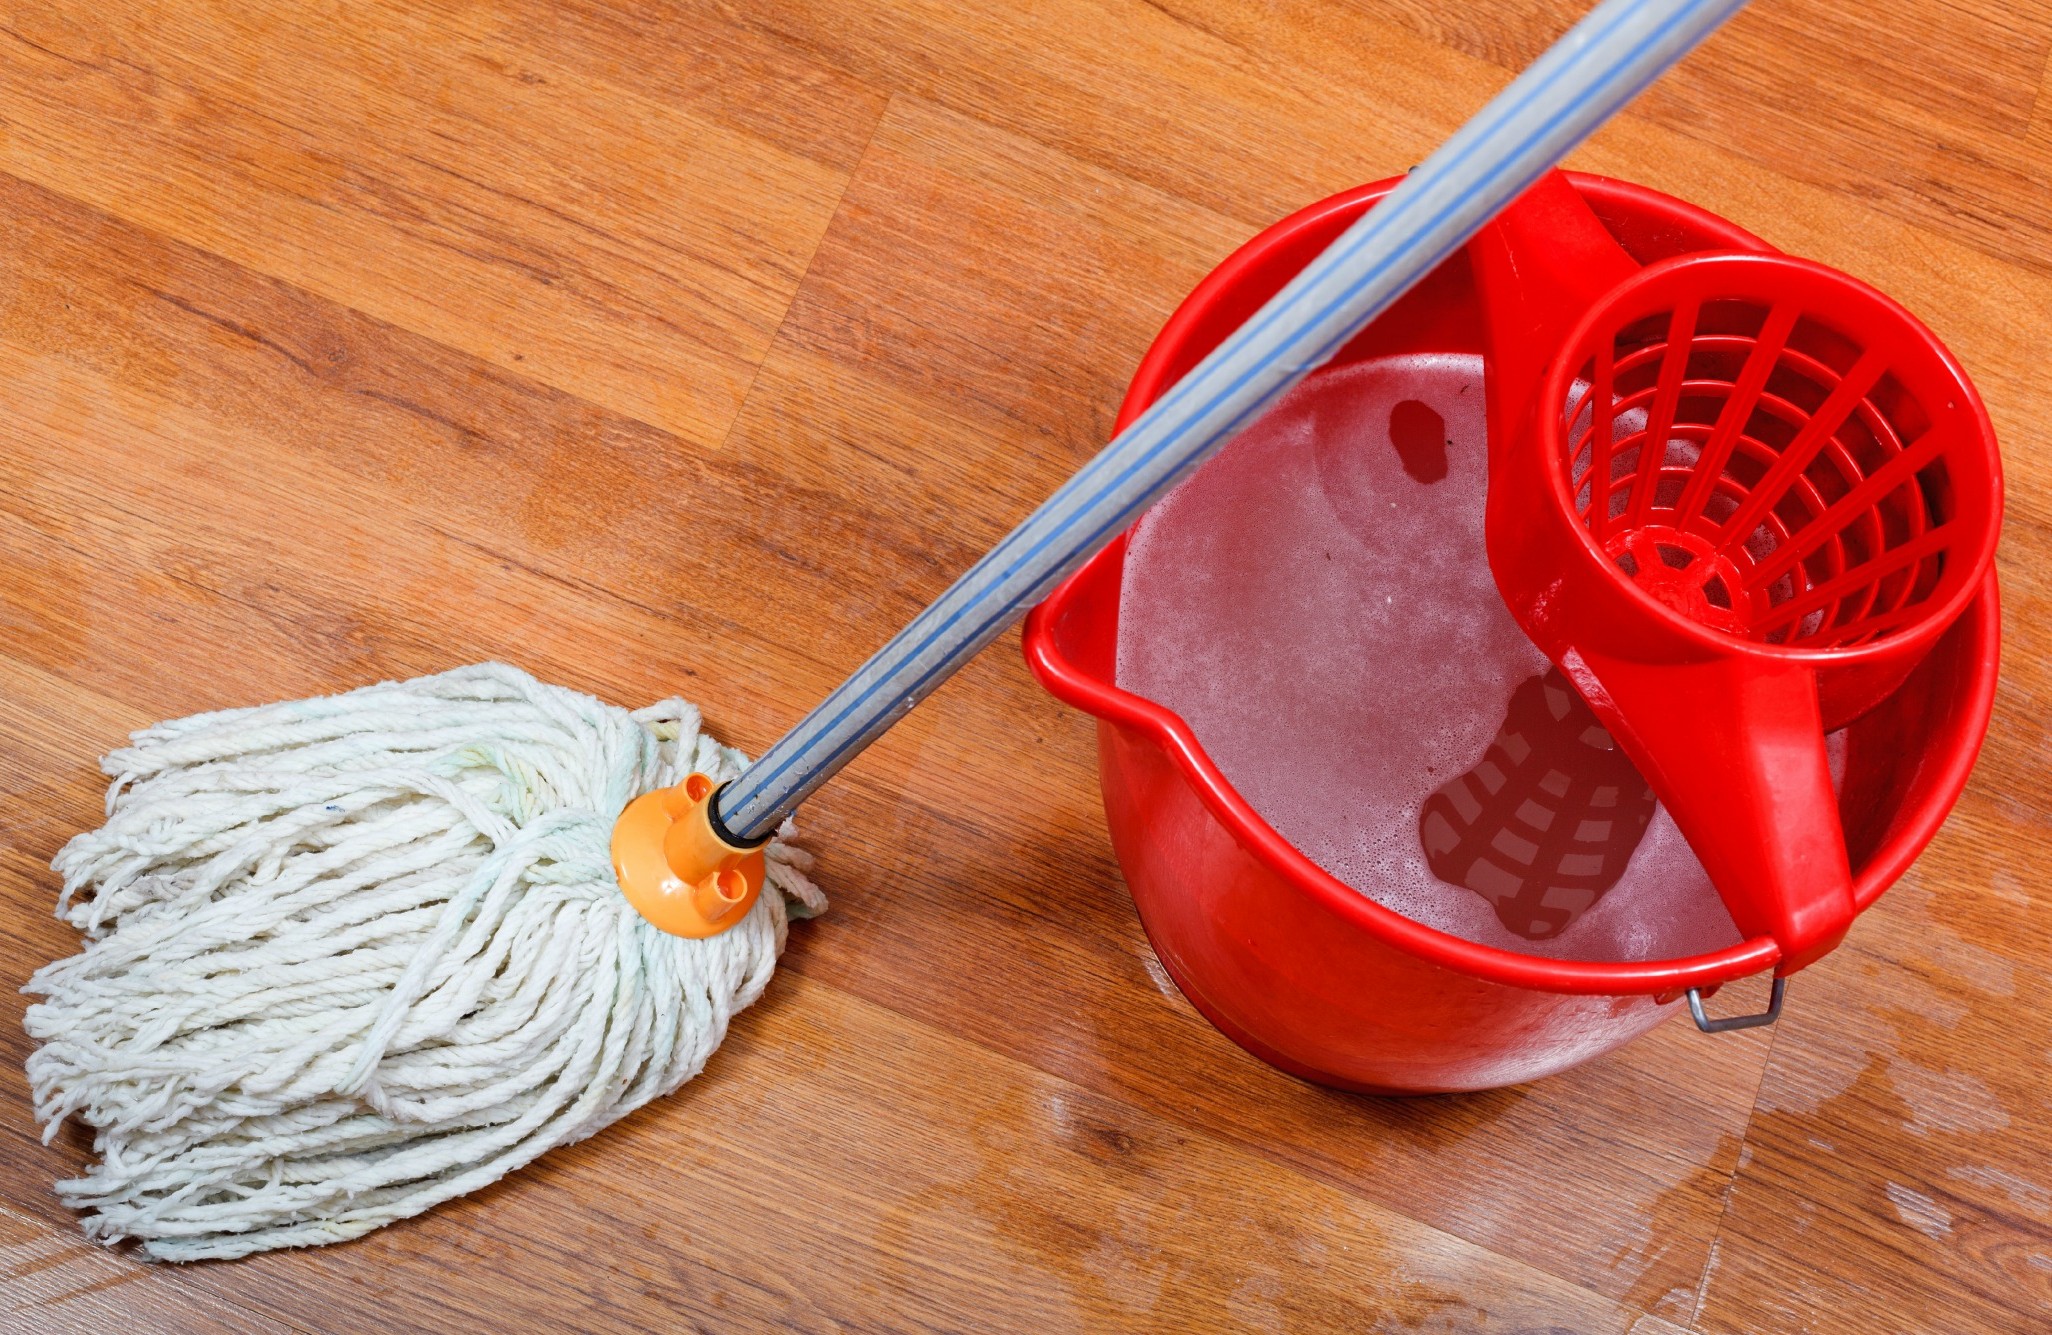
1594,69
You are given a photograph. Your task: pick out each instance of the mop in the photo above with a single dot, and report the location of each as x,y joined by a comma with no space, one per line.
346,958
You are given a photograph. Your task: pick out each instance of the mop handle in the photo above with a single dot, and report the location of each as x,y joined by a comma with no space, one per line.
1594,69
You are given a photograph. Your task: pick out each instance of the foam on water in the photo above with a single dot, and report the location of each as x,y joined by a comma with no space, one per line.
1316,602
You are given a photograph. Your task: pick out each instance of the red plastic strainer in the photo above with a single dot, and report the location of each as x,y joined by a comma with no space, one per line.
1737,497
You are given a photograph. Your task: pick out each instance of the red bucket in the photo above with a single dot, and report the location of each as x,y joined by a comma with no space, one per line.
1315,977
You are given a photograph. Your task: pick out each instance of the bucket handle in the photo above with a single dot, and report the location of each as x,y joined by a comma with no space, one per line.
1731,1022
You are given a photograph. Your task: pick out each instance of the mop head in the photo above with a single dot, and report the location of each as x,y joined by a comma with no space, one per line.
349,957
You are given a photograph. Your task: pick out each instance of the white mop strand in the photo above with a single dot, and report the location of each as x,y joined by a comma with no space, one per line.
349,957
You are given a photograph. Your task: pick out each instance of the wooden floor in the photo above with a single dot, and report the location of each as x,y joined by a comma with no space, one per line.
689,347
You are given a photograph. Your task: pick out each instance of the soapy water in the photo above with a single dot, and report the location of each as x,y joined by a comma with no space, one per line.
1316,603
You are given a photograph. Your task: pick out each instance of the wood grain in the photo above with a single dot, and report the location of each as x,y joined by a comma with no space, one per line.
438,173
685,347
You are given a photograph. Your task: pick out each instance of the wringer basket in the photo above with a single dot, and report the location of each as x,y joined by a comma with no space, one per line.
1737,497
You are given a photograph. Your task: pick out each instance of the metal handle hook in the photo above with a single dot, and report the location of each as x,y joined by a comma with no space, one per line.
1730,1022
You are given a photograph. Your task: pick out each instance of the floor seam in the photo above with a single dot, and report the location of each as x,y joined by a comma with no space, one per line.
805,275
1731,1184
